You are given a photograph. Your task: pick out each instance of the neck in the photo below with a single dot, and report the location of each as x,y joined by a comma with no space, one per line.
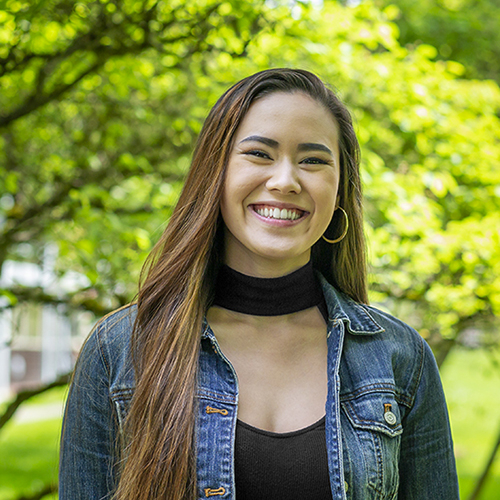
253,265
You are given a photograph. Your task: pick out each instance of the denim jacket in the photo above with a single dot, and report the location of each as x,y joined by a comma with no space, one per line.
387,428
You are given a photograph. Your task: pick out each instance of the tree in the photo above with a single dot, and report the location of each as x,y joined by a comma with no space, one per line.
98,115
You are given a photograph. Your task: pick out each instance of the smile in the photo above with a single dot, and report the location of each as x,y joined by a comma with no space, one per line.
278,213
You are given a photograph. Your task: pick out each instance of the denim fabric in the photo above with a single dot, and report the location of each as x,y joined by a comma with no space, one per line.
377,366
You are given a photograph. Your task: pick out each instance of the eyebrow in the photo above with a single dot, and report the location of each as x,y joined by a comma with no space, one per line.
265,140
305,146
313,146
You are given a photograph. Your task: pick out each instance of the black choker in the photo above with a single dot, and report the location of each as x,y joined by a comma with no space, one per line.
268,296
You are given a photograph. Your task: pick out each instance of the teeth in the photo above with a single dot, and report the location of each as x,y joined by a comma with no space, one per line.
276,213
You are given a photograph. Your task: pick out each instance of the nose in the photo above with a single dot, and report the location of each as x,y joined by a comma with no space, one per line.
284,178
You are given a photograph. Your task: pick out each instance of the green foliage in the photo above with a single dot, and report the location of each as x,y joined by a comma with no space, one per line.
460,30
103,101
99,116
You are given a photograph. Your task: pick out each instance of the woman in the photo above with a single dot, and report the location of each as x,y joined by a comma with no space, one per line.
251,365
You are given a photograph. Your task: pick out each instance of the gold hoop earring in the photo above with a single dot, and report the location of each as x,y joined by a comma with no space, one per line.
345,229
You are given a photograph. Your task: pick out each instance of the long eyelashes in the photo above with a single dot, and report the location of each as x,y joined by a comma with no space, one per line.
315,161
308,161
258,154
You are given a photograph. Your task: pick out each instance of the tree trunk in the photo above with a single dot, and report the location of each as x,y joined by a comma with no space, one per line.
482,479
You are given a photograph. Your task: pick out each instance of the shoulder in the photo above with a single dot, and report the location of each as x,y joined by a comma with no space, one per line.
387,335
108,345
394,328
383,351
407,349
116,327
395,340
368,322
117,322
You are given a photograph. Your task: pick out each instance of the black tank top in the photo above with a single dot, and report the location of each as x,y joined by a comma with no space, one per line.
281,466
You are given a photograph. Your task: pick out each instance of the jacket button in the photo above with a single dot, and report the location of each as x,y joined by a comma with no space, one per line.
346,486
209,410
210,492
390,418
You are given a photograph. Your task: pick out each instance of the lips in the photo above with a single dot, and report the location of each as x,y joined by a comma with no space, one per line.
278,213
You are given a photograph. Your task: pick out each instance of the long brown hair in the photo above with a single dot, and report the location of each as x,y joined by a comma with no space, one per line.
159,456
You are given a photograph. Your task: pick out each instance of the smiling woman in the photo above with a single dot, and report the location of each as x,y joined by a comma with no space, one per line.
251,366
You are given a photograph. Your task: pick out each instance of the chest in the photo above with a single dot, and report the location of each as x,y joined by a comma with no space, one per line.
281,372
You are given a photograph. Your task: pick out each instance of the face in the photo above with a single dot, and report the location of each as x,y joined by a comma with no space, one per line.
281,184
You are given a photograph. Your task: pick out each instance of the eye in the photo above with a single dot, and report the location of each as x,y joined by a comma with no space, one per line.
258,154
315,161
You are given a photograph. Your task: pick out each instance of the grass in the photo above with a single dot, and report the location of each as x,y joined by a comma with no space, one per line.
471,379
29,454
29,450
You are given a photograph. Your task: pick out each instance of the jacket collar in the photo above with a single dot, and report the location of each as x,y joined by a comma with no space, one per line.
340,308
357,317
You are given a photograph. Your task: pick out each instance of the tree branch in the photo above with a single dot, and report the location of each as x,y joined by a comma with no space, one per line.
29,393
41,493
87,42
442,348
71,301
37,99
37,211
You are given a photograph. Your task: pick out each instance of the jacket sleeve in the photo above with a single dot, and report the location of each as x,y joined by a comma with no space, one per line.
89,429
427,462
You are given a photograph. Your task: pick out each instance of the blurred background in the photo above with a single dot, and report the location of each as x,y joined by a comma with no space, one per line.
100,105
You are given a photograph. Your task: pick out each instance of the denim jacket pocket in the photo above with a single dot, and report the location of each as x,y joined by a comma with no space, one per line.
371,424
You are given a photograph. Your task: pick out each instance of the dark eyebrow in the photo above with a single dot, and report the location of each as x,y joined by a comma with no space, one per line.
265,140
312,146
305,146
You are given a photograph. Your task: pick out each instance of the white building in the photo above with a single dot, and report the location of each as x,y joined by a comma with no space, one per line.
38,342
